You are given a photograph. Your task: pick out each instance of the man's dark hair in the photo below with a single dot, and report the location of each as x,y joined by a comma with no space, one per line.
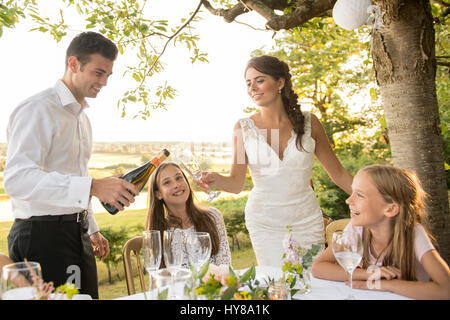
87,43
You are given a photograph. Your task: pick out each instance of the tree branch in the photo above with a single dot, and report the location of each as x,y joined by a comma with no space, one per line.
260,7
445,13
173,36
228,14
304,11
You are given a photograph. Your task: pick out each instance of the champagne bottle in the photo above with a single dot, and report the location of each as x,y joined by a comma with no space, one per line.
139,176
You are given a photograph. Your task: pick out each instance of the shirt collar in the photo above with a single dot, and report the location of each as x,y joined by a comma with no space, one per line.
67,98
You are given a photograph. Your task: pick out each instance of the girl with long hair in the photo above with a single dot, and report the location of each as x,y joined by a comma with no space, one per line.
278,145
171,206
388,209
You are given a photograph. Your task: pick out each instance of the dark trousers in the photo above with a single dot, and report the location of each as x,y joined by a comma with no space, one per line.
62,248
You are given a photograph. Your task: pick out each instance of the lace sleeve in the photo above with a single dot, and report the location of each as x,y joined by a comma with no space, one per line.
224,255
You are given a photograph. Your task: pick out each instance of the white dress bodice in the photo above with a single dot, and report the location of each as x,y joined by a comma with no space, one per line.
282,194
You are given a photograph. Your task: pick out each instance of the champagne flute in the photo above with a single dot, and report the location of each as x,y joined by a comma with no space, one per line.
19,281
198,248
151,253
190,164
348,250
173,254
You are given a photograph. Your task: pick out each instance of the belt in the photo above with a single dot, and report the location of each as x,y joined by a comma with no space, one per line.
74,217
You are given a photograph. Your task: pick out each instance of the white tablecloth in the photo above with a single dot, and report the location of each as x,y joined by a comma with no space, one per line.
320,289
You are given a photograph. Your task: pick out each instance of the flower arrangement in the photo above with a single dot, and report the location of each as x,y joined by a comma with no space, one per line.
213,282
221,282
296,261
44,290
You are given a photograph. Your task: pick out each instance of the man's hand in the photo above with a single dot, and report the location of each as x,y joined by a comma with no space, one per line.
114,191
100,245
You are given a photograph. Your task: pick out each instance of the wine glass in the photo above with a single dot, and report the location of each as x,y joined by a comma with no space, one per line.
190,164
173,253
348,250
151,253
198,248
20,280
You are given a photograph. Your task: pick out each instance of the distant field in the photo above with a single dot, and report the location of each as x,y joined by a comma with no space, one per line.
101,160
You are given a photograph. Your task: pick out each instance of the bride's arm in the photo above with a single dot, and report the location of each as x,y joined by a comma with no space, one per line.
235,181
328,159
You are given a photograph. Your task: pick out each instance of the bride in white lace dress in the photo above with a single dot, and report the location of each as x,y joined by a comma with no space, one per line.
171,207
278,144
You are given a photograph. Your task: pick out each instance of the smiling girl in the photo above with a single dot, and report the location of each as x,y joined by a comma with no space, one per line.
172,207
387,208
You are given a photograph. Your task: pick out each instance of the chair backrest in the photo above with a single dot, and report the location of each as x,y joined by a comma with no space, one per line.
134,246
336,225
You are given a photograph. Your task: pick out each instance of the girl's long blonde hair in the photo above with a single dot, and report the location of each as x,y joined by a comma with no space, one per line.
403,188
159,218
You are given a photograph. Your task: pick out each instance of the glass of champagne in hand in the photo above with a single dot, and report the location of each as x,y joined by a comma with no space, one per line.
191,165
348,250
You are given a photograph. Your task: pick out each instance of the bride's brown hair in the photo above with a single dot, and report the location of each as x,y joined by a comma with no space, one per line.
159,218
277,69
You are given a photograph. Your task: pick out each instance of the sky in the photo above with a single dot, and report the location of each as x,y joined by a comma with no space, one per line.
211,96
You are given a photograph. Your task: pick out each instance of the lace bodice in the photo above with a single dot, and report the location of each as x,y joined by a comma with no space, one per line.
290,173
223,256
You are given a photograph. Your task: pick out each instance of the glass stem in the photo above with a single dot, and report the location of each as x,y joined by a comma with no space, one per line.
150,275
351,283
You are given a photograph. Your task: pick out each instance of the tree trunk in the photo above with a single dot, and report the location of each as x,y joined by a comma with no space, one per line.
405,66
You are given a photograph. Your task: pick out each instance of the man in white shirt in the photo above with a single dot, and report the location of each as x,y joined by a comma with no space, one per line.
46,173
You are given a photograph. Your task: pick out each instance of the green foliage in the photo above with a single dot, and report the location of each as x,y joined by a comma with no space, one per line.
11,11
227,206
443,82
68,289
234,218
116,239
235,224
329,66
353,157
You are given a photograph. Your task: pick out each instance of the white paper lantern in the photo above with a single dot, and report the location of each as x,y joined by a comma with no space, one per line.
351,14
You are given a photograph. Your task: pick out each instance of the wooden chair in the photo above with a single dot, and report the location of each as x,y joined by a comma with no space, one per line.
134,246
326,221
336,225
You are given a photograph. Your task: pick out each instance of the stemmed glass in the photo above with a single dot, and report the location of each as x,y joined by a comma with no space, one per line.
198,248
19,281
173,254
348,250
190,164
151,253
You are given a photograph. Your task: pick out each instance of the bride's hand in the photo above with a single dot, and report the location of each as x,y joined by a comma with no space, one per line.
202,184
209,178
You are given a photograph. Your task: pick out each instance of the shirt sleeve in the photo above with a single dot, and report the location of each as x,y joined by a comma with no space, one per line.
422,243
224,255
30,133
93,227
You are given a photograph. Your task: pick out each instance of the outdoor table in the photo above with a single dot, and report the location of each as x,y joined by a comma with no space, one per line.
320,289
